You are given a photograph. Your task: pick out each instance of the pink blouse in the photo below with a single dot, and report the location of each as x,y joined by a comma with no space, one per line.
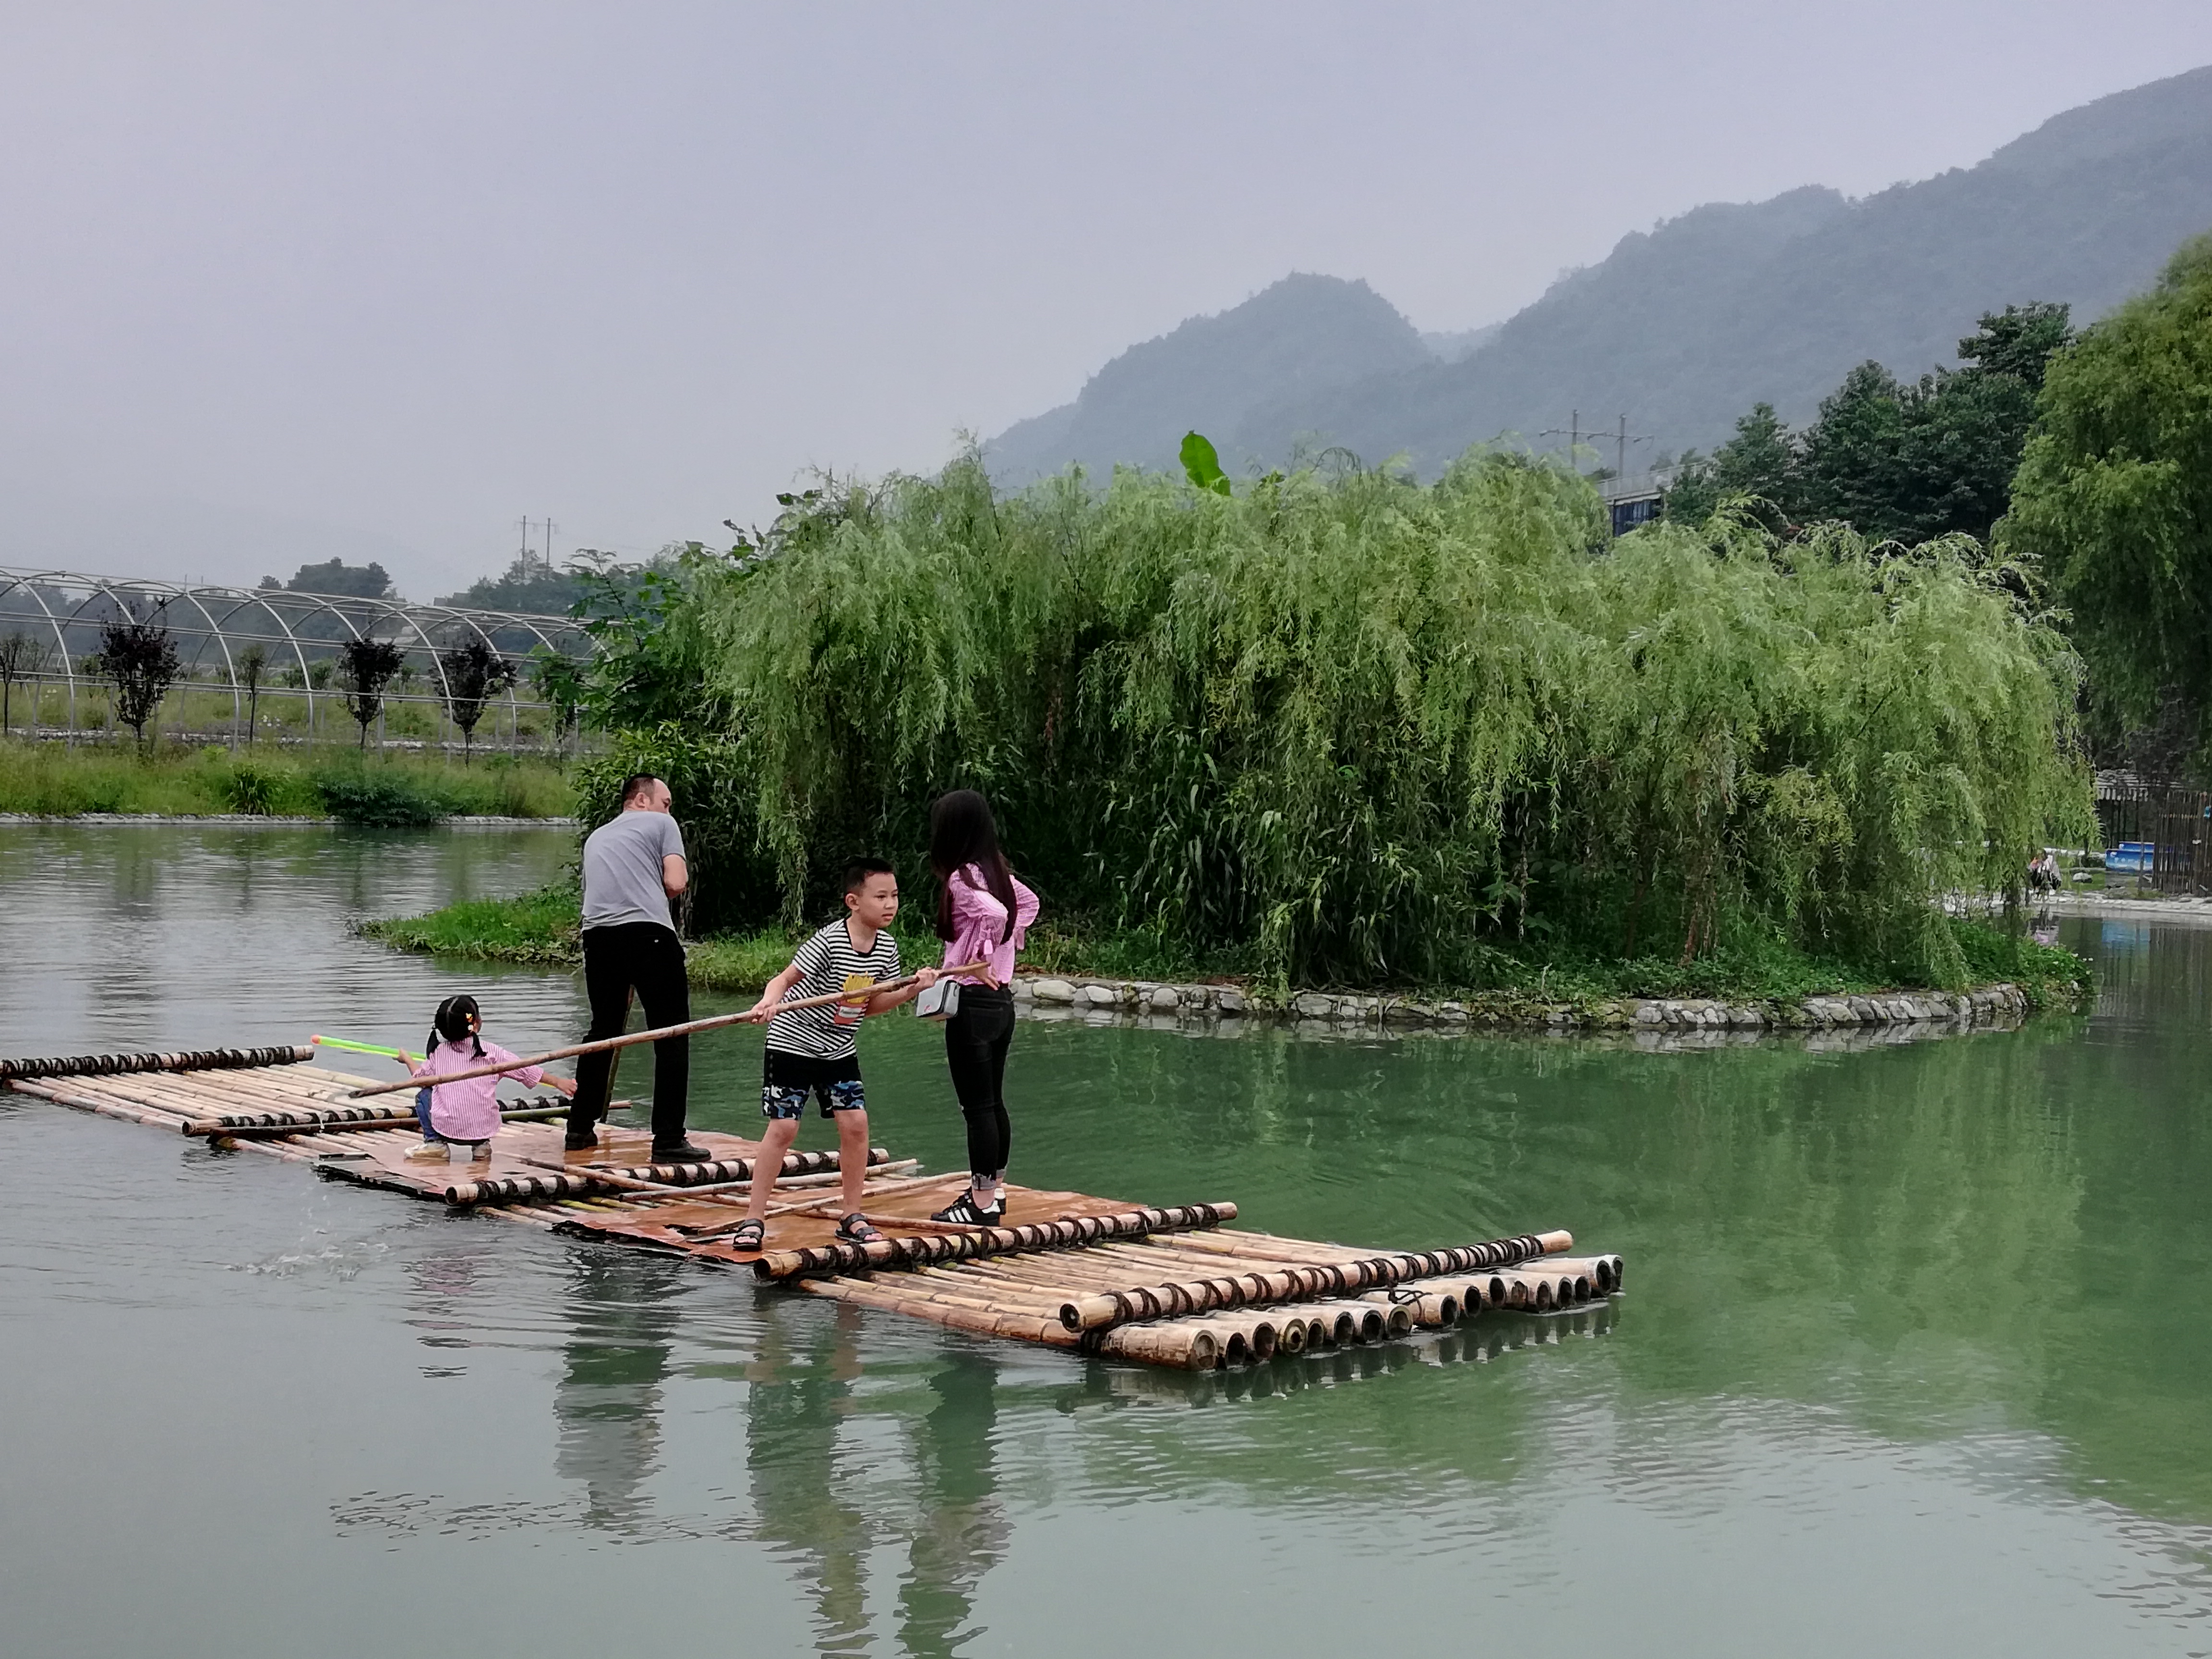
469,1110
978,921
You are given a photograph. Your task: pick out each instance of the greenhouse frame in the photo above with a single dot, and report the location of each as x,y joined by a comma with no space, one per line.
57,615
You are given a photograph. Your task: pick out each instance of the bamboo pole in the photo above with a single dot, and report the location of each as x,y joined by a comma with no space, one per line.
195,1059
383,1121
1185,1347
895,1253
823,1205
1428,1308
576,1180
205,1095
630,1039
86,1101
729,1192
1030,1328
1298,1283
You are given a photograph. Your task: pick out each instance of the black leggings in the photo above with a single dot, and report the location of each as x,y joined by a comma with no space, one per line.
975,1043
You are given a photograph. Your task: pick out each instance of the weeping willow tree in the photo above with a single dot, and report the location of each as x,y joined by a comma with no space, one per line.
1371,730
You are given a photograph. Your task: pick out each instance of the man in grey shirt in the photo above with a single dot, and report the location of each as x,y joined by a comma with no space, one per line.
633,866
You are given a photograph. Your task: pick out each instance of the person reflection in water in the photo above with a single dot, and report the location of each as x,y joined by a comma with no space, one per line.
606,1404
807,1510
964,1531
801,1395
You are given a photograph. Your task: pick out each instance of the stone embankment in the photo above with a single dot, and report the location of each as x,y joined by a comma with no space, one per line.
1151,1003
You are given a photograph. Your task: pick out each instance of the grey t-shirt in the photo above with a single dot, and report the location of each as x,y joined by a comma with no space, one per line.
622,869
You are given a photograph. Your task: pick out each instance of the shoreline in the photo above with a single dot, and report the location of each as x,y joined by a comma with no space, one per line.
1169,1005
2117,907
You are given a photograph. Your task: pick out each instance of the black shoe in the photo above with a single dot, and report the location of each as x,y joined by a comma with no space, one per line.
681,1152
967,1213
573,1142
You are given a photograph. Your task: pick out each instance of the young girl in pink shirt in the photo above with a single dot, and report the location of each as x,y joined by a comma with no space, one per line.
984,914
466,1112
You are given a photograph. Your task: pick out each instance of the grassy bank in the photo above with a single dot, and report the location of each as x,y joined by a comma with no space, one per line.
54,780
542,927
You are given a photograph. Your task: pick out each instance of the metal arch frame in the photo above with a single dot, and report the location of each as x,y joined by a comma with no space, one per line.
360,618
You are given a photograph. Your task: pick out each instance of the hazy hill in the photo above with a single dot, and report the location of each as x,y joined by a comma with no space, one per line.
1301,337
1684,327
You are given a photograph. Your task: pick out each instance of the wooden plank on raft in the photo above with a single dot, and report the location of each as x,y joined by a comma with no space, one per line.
901,1212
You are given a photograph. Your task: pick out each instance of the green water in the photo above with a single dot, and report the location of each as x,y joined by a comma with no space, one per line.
1913,1358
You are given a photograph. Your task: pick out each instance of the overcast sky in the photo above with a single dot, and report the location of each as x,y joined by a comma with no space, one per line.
283,281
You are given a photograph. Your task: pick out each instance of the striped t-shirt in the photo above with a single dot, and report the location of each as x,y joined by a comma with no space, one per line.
828,963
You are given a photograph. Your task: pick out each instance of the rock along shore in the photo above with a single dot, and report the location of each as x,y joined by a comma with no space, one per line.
1152,1003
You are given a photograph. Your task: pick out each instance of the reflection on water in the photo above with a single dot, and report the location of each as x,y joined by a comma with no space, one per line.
1912,1358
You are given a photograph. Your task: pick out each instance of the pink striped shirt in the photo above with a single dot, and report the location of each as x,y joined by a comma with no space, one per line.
469,1110
979,920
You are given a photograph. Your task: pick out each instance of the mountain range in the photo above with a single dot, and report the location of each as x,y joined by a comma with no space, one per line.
1680,329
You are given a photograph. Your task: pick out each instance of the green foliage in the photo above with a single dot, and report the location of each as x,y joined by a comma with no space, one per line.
733,881
21,656
1366,732
336,578
2114,495
540,928
366,667
1899,462
526,586
648,661
53,779
544,927
139,656
247,787
1202,466
472,674
1756,462
559,682
376,799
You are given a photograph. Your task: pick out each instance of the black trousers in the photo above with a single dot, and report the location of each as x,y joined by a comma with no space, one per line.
645,957
975,1043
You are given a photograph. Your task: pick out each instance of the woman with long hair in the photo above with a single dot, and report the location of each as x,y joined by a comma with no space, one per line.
984,914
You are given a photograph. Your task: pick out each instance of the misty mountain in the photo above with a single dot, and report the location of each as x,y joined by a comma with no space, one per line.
1301,338
1680,328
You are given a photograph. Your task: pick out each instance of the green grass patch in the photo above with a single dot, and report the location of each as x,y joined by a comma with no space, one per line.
536,927
52,780
544,927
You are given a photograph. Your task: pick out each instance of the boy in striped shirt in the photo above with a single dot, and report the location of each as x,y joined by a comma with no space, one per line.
811,1050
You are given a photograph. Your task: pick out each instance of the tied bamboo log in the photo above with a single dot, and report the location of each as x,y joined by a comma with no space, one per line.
191,1060
898,1253
83,1102
247,1125
1300,1284
631,1039
581,1180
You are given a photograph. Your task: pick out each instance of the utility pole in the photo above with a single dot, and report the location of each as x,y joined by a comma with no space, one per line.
1573,435
549,542
524,558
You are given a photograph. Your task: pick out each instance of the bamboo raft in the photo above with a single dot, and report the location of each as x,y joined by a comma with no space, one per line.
1164,1286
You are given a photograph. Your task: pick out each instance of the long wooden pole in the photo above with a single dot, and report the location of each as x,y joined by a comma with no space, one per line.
712,1023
